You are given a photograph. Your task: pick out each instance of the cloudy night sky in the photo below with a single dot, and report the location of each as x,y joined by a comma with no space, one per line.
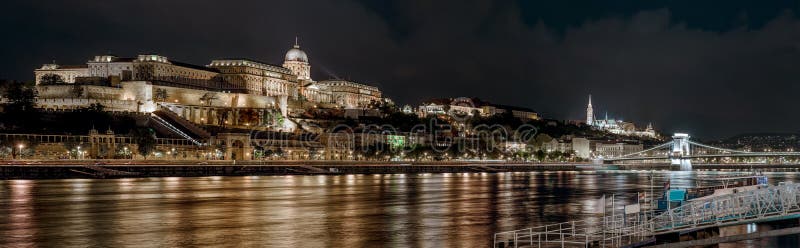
712,68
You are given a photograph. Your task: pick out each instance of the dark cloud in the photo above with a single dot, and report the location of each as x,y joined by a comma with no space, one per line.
709,68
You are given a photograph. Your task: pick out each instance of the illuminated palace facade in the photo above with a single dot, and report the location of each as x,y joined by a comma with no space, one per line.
148,82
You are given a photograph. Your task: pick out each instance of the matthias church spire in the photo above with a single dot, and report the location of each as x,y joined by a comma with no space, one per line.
589,113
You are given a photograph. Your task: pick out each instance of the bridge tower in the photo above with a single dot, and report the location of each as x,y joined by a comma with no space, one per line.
680,150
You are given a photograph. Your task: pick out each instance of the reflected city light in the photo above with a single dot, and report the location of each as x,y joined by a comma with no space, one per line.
451,210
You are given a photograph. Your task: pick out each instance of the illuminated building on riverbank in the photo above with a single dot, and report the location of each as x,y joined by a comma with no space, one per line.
616,126
215,94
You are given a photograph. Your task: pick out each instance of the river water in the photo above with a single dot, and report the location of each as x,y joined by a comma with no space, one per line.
393,210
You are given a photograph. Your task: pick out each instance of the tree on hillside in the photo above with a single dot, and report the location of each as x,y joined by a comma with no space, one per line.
386,106
541,139
476,113
20,112
145,139
21,98
418,152
540,155
10,145
51,79
248,117
72,146
279,152
402,121
446,108
569,154
279,119
555,155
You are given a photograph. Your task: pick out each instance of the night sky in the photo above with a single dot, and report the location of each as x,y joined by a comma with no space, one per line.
712,69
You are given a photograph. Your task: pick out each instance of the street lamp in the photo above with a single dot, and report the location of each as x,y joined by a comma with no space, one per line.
20,146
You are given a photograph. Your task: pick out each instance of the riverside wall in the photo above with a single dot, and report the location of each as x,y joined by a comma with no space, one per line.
120,169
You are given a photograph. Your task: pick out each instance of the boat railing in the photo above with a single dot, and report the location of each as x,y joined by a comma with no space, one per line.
565,234
731,208
762,203
609,231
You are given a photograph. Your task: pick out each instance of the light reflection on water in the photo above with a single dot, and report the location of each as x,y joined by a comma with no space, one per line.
391,210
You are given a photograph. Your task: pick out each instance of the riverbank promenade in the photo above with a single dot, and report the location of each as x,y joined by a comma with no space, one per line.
40,169
166,168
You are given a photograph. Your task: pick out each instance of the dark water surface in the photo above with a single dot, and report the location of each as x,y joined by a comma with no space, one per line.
398,210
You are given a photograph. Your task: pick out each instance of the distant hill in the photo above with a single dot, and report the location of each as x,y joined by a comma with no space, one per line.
761,141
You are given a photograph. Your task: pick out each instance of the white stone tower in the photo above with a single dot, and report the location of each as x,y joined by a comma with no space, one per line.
680,150
590,113
297,61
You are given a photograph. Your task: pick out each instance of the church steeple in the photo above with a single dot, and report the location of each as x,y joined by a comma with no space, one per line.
589,113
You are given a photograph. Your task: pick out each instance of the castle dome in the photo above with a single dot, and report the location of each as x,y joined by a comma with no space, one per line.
295,54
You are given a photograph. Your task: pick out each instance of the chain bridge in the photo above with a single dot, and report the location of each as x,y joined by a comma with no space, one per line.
681,150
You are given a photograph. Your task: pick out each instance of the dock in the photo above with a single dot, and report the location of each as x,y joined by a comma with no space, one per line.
771,203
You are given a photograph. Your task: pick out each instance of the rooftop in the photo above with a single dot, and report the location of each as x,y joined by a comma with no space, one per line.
329,81
196,67
248,62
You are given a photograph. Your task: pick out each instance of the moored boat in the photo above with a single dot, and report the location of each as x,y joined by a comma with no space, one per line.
711,187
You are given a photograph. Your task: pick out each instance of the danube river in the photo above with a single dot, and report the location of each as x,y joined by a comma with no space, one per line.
393,210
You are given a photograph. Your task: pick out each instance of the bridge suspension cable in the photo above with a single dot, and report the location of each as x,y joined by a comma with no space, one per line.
716,148
648,150
679,149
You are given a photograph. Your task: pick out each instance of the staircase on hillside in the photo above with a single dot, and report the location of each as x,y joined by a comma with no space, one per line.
165,126
197,131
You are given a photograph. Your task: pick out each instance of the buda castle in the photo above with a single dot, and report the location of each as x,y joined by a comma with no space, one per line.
148,82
